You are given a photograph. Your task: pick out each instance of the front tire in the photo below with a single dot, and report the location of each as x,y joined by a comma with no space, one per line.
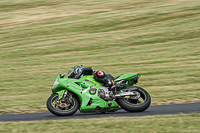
52,105
135,106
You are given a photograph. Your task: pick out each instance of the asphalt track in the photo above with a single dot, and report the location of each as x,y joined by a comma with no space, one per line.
152,110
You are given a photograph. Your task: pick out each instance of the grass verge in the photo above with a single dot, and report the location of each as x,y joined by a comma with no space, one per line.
184,123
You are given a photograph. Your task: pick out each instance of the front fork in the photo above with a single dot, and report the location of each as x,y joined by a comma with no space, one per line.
62,96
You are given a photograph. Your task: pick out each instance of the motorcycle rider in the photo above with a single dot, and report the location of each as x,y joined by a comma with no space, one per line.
78,71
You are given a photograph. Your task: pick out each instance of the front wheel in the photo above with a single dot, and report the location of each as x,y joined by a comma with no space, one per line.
60,108
138,105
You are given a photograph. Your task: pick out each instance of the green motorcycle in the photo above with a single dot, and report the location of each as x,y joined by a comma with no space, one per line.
88,95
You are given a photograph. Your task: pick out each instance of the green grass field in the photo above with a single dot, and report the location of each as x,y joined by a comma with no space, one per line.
42,38
152,124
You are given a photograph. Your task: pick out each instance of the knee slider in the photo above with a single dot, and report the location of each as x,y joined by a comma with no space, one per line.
99,76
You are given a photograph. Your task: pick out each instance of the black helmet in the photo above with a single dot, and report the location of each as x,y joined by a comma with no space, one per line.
76,71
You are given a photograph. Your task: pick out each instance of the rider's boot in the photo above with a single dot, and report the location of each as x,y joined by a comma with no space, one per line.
115,87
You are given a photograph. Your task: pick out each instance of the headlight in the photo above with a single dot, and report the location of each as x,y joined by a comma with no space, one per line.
55,84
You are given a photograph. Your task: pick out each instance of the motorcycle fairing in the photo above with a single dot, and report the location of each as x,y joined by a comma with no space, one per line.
128,79
80,87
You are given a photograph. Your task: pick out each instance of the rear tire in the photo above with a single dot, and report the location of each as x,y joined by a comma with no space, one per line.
62,112
138,106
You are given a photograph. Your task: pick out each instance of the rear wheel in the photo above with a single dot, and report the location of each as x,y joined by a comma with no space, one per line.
135,105
60,108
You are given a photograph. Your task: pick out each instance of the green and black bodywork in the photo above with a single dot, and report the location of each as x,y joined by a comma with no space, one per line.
89,95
